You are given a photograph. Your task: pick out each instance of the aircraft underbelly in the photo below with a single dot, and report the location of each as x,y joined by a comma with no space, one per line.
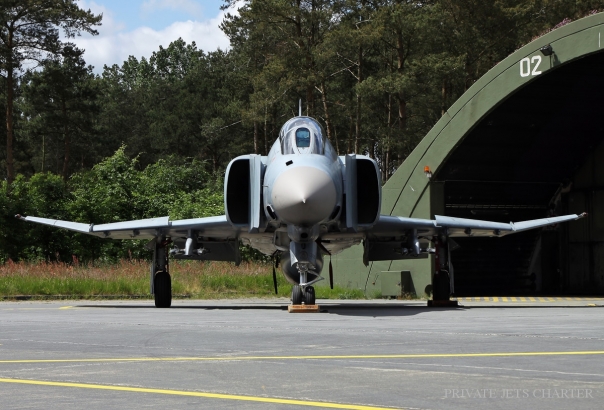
261,242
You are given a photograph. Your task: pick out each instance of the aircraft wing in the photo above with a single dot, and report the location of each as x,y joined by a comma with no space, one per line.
385,239
216,227
460,227
215,239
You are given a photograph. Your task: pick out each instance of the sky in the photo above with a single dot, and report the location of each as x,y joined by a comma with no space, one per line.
139,27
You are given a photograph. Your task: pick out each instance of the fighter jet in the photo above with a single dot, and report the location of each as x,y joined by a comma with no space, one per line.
300,203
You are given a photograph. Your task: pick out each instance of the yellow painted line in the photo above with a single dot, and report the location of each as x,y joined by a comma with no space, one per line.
257,399
66,307
526,299
318,357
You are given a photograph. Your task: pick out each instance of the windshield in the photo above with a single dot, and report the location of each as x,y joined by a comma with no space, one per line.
302,135
302,138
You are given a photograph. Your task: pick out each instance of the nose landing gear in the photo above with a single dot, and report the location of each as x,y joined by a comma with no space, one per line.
304,295
305,292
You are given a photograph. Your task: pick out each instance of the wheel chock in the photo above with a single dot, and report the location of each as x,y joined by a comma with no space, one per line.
303,308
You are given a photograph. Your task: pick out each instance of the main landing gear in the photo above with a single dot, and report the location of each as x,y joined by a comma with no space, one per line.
442,279
163,290
161,284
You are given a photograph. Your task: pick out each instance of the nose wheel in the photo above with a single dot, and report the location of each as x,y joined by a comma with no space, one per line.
297,295
309,295
306,295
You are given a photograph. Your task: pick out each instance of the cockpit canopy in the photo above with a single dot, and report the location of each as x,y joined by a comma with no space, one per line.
302,135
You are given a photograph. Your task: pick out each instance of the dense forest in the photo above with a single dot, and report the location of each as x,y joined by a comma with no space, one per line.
153,135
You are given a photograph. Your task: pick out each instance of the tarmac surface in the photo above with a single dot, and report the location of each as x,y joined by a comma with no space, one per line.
252,354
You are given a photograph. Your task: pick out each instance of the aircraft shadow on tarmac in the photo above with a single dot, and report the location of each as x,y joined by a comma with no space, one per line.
364,310
357,310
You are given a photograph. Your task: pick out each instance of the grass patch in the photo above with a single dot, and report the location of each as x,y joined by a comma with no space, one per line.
200,280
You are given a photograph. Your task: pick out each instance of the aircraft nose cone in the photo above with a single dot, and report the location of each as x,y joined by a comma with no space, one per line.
304,196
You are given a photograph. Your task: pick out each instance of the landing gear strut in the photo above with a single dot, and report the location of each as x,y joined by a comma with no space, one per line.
442,280
161,284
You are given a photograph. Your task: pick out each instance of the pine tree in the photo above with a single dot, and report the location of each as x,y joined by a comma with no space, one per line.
29,33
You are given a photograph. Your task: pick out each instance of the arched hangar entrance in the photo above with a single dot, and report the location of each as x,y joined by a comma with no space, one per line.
525,141
539,153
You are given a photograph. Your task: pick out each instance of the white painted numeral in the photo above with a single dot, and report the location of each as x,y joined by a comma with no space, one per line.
525,66
536,60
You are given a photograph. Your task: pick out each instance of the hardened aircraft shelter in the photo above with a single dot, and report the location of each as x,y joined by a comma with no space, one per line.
525,141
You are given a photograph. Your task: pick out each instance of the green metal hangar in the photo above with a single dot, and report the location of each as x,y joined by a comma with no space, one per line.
526,141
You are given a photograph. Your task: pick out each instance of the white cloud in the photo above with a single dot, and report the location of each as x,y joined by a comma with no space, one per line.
114,45
188,6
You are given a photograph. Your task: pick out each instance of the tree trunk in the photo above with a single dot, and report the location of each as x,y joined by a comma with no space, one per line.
43,151
325,110
387,161
443,106
255,137
10,162
335,138
67,142
402,111
357,134
350,134
265,130
400,54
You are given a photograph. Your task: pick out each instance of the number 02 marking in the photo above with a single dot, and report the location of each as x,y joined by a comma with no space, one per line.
525,66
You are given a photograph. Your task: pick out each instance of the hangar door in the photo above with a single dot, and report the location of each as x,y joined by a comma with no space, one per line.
538,153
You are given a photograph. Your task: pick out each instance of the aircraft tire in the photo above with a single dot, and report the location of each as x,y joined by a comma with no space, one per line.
162,287
296,295
309,296
442,286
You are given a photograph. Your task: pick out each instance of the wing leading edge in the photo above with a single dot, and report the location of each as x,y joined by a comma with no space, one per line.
215,227
458,227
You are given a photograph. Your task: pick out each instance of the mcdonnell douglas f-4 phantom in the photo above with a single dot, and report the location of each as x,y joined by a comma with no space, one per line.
302,202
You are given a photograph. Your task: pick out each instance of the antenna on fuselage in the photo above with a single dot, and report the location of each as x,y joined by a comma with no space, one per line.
300,108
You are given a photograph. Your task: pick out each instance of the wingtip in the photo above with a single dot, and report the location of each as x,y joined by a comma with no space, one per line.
583,215
18,216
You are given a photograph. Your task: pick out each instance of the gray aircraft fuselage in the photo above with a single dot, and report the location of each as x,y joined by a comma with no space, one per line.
303,198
